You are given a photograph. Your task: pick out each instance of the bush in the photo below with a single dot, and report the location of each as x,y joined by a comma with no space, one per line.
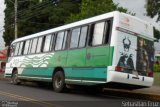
156,68
1,75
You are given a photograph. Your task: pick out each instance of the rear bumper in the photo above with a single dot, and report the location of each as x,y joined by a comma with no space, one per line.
130,79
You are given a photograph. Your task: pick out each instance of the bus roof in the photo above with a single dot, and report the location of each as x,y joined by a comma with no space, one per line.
157,54
71,25
85,21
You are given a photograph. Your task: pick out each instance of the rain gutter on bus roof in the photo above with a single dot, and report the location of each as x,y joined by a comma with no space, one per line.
82,22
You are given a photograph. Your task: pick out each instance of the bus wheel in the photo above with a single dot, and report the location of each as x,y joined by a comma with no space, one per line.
14,78
58,82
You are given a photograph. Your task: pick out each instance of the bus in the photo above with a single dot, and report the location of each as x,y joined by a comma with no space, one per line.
112,49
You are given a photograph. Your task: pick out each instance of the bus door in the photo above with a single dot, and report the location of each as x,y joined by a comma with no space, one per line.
98,53
77,53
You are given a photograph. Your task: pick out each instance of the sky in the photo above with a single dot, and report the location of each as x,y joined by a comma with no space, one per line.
2,7
138,7
134,6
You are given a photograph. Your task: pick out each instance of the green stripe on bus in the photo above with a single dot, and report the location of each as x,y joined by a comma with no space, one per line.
86,73
41,72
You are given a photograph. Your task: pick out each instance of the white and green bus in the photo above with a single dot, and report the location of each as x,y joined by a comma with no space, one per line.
112,49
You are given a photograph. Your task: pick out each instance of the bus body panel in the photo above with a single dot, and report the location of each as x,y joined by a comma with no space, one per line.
95,56
132,39
87,76
76,58
129,79
58,59
76,66
91,65
33,65
95,69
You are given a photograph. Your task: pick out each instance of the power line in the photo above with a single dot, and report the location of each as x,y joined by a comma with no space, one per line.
2,30
39,7
26,18
39,22
21,15
37,11
23,0
11,1
35,6
28,9
10,26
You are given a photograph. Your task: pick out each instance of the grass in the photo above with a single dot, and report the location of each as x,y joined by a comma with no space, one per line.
156,68
157,78
1,75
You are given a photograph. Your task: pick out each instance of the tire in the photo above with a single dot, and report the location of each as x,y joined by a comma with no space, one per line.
14,79
59,82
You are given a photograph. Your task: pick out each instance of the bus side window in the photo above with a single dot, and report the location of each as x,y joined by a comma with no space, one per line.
75,38
23,47
20,48
90,33
34,45
53,42
30,46
12,49
47,43
83,36
68,39
26,47
65,40
98,33
43,42
38,50
59,41
16,49
108,29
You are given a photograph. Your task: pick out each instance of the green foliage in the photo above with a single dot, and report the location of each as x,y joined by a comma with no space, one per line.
91,8
153,8
35,16
157,78
156,68
156,33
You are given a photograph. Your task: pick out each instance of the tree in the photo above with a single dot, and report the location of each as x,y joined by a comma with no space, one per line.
91,8
156,33
37,15
153,8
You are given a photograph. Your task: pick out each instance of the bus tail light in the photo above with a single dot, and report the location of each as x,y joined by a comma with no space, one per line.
119,69
150,74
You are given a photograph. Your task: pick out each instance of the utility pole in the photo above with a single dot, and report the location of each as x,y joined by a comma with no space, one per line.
15,19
